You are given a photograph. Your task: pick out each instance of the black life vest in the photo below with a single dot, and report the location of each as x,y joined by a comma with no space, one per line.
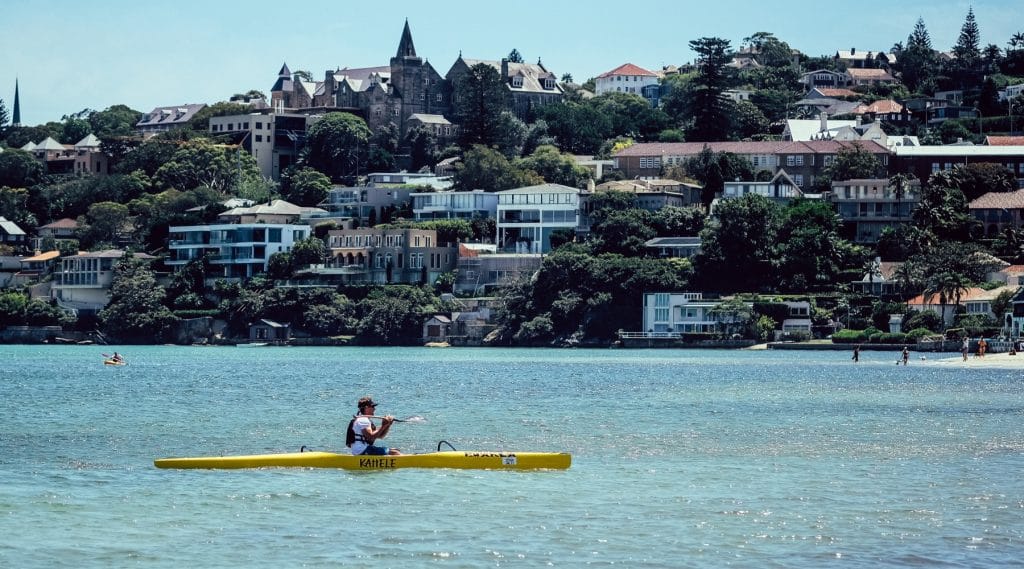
351,436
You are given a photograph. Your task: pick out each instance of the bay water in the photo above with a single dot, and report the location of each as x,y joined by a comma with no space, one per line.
681,458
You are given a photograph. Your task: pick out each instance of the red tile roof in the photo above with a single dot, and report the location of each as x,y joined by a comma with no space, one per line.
628,69
858,73
837,92
999,200
1004,140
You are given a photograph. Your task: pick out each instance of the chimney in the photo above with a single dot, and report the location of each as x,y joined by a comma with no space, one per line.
853,51
824,121
858,120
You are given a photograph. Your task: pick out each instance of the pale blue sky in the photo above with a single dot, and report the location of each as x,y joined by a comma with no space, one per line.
71,55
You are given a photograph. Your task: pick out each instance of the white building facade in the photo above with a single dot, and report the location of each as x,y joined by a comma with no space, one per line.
233,250
528,216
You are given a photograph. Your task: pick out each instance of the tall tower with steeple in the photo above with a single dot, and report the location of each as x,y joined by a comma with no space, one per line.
16,112
415,86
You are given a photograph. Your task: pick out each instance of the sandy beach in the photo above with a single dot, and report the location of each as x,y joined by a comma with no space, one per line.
1002,360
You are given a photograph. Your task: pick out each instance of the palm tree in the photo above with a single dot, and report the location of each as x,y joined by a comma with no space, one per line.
899,183
949,286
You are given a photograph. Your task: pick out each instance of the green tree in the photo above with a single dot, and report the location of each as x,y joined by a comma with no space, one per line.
394,315
555,167
623,232
19,169
136,313
308,251
305,186
738,247
202,163
200,122
811,251
916,63
115,121
479,97
630,115
103,222
579,128
853,162
487,169
14,206
75,129
942,210
336,145
748,120
707,104
514,56
712,168
966,65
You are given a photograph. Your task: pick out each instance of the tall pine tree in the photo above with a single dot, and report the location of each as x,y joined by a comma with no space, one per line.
917,61
706,100
966,65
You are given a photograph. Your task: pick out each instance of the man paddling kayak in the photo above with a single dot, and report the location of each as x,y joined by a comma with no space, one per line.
362,433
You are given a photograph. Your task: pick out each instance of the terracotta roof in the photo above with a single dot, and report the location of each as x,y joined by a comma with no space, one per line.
64,223
969,295
1004,140
868,73
467,252
42,256
837,92
999,200
886,106
627,69
1013,269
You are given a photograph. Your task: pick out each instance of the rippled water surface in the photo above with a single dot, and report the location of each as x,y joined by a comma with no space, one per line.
680,459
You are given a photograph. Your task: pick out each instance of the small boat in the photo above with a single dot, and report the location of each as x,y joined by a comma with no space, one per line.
497,460
115,363
251,345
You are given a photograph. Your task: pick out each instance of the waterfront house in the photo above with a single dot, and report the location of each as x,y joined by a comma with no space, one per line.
475,204
868,206
669,314
235,251
82,285
975,301
674,247
265,330
482,269
528,216
387,256
880,280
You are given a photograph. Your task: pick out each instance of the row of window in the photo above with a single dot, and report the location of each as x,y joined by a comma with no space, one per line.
546,198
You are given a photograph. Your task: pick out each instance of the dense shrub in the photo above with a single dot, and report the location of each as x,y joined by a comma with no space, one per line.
849,337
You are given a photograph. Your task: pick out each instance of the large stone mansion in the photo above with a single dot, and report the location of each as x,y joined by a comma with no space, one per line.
408,90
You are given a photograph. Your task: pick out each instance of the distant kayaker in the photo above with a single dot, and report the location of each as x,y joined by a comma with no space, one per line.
362,433
117,357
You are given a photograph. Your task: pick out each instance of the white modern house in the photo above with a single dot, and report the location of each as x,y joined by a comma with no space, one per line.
82,284
454,205
669,313
234,250
528,216
273,139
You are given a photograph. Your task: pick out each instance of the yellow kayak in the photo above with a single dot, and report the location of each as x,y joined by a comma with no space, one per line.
317,459
114,363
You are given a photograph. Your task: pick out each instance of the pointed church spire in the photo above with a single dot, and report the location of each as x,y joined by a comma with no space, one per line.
16,112
405,46
284,72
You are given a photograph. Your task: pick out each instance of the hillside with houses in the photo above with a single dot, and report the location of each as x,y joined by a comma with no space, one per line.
874,194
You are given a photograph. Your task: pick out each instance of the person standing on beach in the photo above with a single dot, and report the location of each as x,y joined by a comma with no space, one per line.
982,346
965,348
906,355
